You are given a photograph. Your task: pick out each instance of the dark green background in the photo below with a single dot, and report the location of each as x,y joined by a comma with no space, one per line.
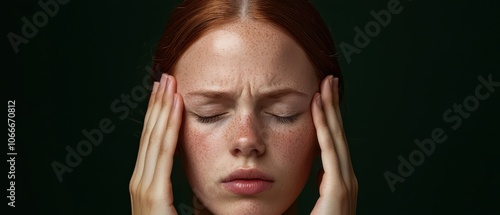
397,89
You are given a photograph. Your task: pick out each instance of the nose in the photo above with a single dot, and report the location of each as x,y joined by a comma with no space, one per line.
249,137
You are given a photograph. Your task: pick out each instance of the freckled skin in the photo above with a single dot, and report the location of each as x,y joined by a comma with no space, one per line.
247,58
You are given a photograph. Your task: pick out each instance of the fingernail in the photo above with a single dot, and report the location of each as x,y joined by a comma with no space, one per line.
168,80
162,80
318,101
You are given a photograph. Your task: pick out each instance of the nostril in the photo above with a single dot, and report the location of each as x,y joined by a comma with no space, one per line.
248,147
249,136
247,152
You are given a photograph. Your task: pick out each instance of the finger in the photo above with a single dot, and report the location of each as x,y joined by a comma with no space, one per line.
331,111
139,164
336,99
151,108
165,159
171,133
158,132
329,156
334,117
154,108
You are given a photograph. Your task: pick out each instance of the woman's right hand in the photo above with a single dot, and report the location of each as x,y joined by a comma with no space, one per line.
150,186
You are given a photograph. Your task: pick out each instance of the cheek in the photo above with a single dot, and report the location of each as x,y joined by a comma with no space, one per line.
195,153
196,145
203,151
295,146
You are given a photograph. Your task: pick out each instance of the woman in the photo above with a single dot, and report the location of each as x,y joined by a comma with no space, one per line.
248,96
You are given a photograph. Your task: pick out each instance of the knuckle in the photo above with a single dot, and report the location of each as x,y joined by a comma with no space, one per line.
355,184
148,128
321,123
330,146
155,137
150,199
135,188
355,181
337,131
134,180
327,142
164,150
171,127
341,191
153,197
131,187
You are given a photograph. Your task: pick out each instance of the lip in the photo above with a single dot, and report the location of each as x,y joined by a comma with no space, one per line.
247,182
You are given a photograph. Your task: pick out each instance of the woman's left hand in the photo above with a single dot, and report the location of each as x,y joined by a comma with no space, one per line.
338,186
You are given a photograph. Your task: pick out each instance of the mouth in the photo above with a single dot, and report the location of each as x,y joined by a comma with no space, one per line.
247,182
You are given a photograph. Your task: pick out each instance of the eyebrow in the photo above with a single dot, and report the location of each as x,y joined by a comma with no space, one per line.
228,95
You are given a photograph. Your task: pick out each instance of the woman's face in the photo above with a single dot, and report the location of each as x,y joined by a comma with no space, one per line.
248,139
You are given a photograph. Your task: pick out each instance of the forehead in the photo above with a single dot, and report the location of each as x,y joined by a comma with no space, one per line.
245,53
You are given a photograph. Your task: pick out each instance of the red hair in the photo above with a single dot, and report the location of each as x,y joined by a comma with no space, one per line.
297,18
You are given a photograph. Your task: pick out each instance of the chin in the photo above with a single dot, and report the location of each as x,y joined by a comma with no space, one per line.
249,206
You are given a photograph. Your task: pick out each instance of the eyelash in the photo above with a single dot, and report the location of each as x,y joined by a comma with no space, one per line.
287,119
208,119
280,119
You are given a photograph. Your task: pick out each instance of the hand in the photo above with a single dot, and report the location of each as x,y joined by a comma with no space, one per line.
150,186
338,185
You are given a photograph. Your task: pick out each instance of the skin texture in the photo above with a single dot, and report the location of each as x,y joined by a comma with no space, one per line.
243,76
246,61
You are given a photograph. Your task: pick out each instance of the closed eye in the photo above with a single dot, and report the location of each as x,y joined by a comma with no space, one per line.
215,118
209,119
286,119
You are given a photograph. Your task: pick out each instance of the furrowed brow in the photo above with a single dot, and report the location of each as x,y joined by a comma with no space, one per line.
228,95
211,94
282,92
